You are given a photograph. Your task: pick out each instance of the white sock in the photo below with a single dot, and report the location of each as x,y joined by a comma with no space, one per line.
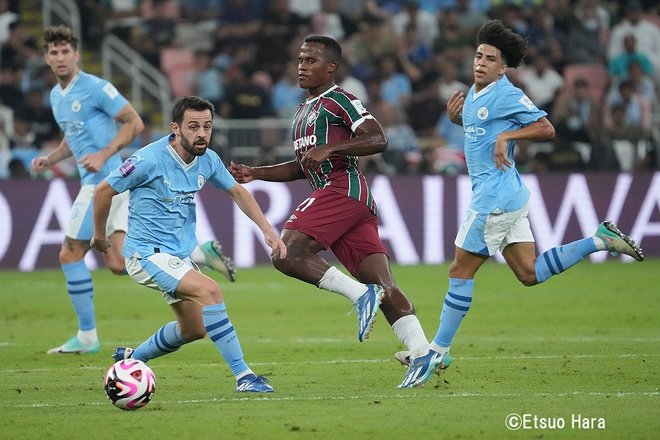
441,350
241,375
198,256
410,332
87,336
599,243
336,281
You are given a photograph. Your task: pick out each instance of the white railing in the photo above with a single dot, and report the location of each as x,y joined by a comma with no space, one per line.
145,79
253,141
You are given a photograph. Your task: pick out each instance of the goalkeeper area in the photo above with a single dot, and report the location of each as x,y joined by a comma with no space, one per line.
584,344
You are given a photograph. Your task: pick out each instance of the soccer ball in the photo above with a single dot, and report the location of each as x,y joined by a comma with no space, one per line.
130,384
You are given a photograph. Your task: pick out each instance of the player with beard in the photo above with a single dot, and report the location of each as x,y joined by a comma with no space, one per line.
162,179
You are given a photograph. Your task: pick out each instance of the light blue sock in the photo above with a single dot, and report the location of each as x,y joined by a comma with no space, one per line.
457,303
166,340
223,335
556,260
81,292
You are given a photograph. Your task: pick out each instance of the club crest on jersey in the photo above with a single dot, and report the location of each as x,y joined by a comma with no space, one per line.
482,113
175,263
75,106
126,168
312,117
200,181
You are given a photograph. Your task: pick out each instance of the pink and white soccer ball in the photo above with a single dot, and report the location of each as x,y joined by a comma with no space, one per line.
130,384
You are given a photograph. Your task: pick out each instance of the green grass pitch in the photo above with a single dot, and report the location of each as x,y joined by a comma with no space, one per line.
584,344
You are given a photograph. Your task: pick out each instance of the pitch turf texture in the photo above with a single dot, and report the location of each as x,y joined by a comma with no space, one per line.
585,344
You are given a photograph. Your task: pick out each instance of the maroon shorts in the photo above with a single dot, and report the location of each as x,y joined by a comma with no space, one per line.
338,222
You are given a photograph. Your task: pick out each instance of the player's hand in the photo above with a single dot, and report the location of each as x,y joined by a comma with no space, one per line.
276,244
455,106
501,161
242,173
40,164
314,157
100,244
94,162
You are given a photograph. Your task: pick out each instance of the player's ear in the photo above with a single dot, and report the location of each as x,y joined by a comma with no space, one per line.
174,127
332,67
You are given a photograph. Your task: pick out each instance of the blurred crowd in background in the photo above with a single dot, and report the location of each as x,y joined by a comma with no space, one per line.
593,65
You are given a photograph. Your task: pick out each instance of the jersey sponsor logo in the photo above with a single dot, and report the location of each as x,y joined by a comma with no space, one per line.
304,141
473,133
110,90
126,168
524,100
200,181
75,106
312,117
175,263
482,113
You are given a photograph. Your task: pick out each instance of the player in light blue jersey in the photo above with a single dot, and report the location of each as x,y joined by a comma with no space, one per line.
495,115
97,122
162,179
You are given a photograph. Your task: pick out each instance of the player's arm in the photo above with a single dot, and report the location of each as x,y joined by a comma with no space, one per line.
282,172
103,194
537,131
250,207
369,139
42,163
131,126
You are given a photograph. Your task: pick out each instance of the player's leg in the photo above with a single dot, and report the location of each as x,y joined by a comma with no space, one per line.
80,287
114,260
608,237
210,254
115,229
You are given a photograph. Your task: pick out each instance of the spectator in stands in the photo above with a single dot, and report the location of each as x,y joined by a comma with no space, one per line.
149,134
10,86
618,66
423,21
239,23
348,82
206,79
403,153
279,29
245,98
545,38
196,11
576,116
646,32
625,140
448,144
22,141
541,82
584,42
637,108
39,118
454,43
19,49
7,17
155,33
286,94
396,87
368,46
449,82
332,22
122,17
642,83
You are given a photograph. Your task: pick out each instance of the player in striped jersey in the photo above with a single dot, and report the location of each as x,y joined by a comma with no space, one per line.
330,130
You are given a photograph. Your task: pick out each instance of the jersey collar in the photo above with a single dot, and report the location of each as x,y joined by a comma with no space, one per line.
322,94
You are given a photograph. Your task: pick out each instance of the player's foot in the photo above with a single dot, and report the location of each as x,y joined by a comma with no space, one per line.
367,307
216,260
75,346
421,369
122,353
404,358
616,241
253,384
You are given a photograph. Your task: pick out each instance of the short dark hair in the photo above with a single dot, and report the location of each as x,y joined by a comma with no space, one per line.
190,103
60,34
332,48
512,45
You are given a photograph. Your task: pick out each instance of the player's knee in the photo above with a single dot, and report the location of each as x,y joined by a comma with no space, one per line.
117,268
396,299
527,278
281,264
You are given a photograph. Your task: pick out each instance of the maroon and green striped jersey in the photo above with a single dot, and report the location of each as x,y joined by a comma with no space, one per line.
329,118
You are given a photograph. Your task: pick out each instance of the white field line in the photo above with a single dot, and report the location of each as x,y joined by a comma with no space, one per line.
219,364
412,395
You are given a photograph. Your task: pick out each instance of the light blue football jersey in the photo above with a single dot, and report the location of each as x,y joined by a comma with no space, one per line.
84,110
497,108
161,207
